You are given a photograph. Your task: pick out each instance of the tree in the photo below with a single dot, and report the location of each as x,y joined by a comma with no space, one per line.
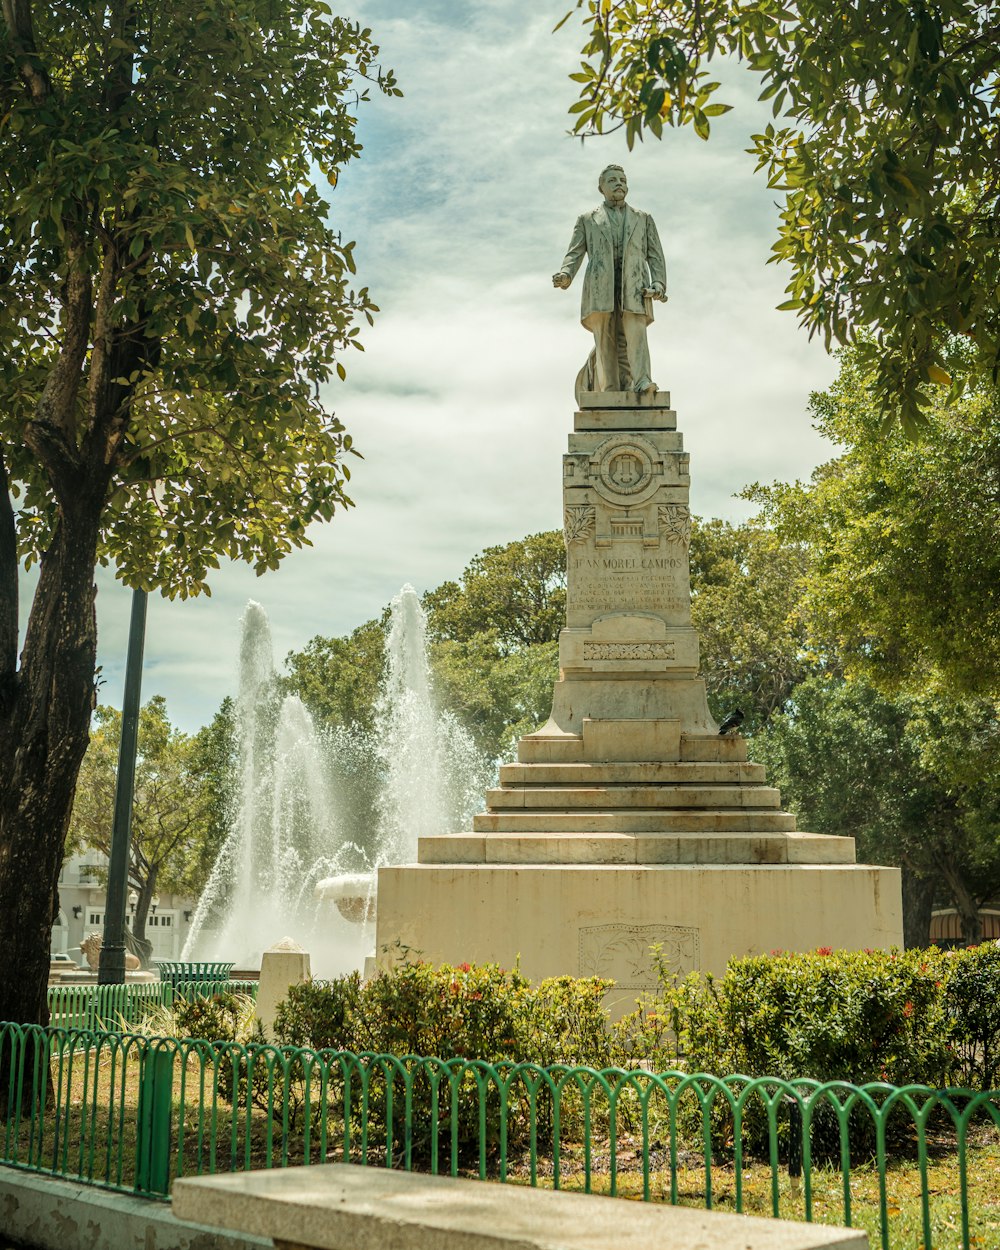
494,638
746,603
516,592
915,779
905,539
171,846
499,696
214,759
885,149
176,299
338,678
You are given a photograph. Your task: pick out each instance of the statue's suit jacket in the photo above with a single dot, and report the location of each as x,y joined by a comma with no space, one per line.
642,263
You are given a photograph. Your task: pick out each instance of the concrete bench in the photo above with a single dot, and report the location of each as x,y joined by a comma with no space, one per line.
346,1207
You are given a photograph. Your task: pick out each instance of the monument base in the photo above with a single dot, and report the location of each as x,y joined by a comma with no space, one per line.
601,920
630,820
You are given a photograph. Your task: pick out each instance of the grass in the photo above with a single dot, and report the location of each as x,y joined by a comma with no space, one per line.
903,1194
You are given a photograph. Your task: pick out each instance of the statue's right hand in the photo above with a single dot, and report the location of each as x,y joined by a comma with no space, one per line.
561,280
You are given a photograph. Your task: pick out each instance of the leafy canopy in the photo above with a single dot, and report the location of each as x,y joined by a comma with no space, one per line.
904,577
172,845
516,592
176,295
885,142
915,778
746,604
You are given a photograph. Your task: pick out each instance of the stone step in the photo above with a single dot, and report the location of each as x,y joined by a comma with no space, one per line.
712,774
569,749
619,797
632,848
640,820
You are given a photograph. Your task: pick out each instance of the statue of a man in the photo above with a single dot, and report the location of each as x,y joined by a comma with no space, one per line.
625,273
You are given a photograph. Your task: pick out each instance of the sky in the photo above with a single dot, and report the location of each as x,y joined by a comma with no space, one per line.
462,205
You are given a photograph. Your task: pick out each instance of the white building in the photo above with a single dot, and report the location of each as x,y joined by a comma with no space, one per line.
81,910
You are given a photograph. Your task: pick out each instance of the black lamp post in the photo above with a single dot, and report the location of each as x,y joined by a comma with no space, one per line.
111,970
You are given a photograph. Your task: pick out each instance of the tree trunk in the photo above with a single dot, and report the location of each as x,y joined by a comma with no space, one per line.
966,906
146,890
44,729
918,902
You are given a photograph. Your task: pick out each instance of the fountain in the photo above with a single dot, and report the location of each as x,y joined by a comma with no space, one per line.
284,832
286,858
431,771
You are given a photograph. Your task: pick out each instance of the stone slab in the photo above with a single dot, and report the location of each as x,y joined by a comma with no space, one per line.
589,400
635,848
713,748
347,1207
610,798
549,746
47,1213
601,919
593,425
631,740
625,696
641,820
638,773
658,420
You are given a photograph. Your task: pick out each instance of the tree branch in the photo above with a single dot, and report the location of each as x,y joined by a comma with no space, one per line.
17,15
51,433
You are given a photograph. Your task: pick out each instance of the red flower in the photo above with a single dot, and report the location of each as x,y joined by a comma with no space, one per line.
908,1010
465,967
824,950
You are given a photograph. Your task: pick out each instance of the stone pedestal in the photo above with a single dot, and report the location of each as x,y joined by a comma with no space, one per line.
628,819
281,966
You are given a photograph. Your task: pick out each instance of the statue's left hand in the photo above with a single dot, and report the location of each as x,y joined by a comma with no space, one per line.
656,291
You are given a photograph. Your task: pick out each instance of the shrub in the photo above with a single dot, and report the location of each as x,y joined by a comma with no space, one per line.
853,1016
320,1014
223,1017
972,1001
469,1011
464,1016
487,1015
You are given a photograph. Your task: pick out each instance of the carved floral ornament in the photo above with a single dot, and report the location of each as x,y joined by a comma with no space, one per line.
675,523
579,522
628,650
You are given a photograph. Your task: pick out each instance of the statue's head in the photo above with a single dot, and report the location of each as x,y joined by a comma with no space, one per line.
613,184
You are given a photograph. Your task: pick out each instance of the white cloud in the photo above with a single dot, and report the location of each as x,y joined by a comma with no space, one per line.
462,204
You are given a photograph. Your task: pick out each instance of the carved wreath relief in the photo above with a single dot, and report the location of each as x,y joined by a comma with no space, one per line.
579,522
621,952
675,523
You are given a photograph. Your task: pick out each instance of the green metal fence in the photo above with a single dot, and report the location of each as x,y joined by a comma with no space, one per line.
132,1113
99,1007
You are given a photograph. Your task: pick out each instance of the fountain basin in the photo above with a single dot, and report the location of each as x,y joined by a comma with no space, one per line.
352,892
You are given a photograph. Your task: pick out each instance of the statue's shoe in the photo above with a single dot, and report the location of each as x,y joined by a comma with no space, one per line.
645,387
